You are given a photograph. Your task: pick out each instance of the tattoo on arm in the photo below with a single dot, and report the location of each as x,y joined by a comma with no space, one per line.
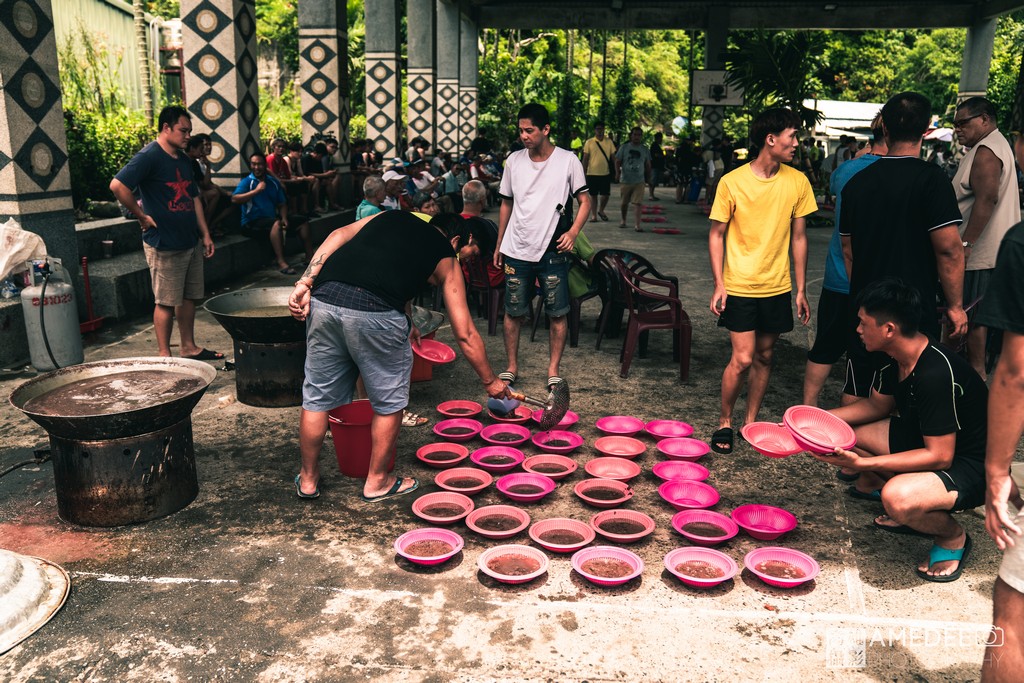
317,261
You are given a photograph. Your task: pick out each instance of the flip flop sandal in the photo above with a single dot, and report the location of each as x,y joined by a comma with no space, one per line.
553,380
723,435
848,478
307,496
508,377
899,529
875,495
393,492
940,554
602,215
412,419
206,354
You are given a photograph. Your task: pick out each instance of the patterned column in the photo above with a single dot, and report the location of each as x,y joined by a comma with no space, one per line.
420,72
448,76
35,181
323,74
715,38
219,38
383,81
468,72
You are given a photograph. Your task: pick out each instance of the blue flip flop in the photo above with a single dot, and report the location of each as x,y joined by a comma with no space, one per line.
940,554
875,495
394,491
300,494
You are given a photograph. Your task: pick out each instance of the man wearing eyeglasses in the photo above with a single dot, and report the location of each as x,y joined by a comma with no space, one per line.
986,190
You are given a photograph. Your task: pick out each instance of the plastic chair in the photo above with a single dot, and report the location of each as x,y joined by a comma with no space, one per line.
575,303
611,291
651,310
489,298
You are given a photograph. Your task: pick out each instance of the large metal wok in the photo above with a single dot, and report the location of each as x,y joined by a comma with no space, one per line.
229,311
164,405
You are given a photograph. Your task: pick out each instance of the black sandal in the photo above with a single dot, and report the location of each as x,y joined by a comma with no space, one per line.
508,377
723,435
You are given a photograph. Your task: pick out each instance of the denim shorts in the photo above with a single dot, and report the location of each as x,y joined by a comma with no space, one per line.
342,344
521,277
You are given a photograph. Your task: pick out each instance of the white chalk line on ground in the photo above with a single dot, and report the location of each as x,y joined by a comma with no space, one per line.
124,578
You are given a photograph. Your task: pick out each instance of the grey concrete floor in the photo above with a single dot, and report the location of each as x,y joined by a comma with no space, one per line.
251,583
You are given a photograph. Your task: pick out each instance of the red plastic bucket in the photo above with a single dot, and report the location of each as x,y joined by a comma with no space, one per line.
350,430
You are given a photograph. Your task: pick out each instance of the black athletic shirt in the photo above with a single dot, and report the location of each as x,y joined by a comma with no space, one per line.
1003,306
889,210
942,395
392,257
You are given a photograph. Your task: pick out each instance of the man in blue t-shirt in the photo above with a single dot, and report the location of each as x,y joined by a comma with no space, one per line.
265,210
172,226
832,335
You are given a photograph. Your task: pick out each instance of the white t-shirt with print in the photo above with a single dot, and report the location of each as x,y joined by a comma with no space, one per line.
537,190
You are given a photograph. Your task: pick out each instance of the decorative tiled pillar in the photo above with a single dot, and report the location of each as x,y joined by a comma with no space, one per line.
468,72
976,60
323,74
383,93
715,38
219,44
35,181
420,72
448,76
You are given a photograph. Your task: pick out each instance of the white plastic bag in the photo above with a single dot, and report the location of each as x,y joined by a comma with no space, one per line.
18,246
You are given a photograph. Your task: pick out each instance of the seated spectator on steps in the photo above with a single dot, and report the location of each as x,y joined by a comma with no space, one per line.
483,232
265,211
327,181
450,187
216,200
311,200
925,459
425,204
373,195
330,166
397,197
423,181
279,165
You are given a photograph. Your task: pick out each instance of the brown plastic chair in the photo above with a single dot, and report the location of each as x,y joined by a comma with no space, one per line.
489,298
613,298
652,310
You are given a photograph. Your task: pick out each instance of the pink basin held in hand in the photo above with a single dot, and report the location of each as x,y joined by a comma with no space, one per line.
764,563
459,424
607,552
668,429
817,429
513,555
695,559
403,542
687,495
770,439
550,441
701,523
683,448
621,425
541,529
620,446
618,469
519,434
680,469
434,351
764,522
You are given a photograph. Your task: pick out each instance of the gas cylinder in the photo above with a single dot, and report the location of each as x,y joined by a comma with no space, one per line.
51,316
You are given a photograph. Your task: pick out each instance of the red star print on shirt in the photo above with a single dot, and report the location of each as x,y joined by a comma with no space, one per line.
180,187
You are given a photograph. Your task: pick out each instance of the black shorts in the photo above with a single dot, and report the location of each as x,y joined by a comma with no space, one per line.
599,185
862,367
833,332
259,226
770,314
966,476
296,188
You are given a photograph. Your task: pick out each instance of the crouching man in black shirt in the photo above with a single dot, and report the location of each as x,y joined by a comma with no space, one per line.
926,460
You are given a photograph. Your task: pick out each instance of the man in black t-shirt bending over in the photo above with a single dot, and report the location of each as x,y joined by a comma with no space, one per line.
355,294
928,459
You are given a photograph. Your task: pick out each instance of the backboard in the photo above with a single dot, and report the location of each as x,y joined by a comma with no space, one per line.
709,88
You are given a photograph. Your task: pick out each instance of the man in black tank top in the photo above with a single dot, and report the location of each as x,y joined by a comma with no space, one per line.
354,297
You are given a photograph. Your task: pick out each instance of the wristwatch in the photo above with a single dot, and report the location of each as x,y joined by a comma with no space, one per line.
968,245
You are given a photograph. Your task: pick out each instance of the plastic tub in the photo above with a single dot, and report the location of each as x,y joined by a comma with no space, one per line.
708,517
668,429
631,516
706,556
680,469
556,524
794,558
764,522
516,552
619,425
538,463
522,434
444,479
442,498
521,517
683,448
458,423
598,552
618,469
620,446
688,495
586,485
444,535
423,454
543,441
479,456
459,408
505,484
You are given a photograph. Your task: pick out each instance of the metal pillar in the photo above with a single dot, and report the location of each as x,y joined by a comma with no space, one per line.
421,75
714,58
383,94
977,59
323,77
469,70
448,76
219,45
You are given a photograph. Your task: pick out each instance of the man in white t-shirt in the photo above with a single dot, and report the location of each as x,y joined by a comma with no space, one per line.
536,231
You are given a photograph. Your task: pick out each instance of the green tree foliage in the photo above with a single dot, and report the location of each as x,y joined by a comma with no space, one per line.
280,117
277,23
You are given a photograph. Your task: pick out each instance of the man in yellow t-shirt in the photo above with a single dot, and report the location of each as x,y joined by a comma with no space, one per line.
757,217
598,152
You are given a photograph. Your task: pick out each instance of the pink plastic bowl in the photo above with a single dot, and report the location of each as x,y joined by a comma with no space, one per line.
714,558
624,515
546,484
803,562
445,497
764,522
458,409
610,552
582,487
509,510
410,537
688,495
620,425
561,524
680,469
457,422
668,429
479,454
684,517
434,351
618,469
424,454
818,429
515,550
770,439
531,463
541,440
569,420
521,415
446,476
683,448
620,446
521,433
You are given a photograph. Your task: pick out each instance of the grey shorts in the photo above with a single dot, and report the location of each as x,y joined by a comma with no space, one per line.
342,344
1012,569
